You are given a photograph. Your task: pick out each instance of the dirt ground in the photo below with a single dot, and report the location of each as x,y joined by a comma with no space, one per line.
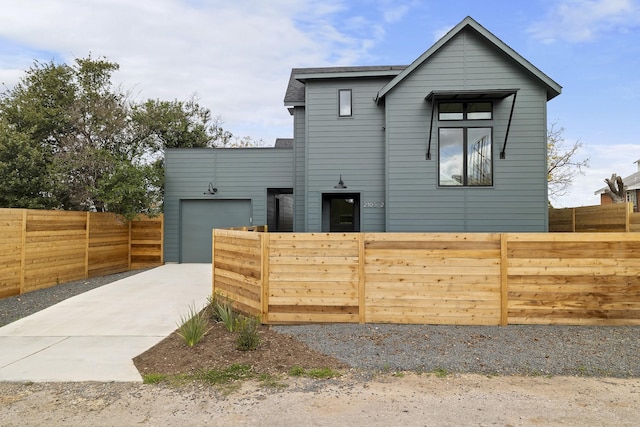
276,354
354,398
383,400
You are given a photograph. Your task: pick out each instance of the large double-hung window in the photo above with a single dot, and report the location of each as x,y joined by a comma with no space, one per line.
465,149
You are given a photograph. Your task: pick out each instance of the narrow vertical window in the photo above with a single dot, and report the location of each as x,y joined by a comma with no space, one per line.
344,103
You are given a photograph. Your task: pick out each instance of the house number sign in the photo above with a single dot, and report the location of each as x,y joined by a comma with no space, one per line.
374,204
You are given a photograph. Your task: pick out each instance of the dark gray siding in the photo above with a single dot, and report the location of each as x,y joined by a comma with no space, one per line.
518,199
351,146
236,173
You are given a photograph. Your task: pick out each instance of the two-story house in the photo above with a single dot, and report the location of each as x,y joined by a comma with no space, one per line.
454,141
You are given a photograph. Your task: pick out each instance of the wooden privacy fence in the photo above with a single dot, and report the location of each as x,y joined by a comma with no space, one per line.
39,248
467,279
617,217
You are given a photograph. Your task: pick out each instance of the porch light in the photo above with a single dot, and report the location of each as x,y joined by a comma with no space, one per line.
211,190
340,184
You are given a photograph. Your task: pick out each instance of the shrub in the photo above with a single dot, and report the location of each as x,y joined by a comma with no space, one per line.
194,326
226,314
247,328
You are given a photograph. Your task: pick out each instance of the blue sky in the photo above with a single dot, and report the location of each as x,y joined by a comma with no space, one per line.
235,56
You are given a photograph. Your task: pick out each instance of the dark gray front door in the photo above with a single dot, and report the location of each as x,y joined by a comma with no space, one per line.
341,212
199,217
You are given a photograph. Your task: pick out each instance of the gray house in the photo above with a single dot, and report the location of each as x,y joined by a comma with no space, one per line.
455,141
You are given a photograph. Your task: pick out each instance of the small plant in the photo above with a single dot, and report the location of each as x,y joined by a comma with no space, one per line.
441,372
194,326
296,371
234,372
153,378
247,328
322,373
226,314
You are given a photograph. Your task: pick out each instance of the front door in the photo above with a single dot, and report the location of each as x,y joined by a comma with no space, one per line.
341,212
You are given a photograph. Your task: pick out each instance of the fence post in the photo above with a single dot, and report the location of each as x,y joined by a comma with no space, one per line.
213,263
504,280
130,226
264,275
87,245
361,277
23,255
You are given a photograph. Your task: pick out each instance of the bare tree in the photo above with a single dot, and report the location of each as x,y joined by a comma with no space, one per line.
562,165
616,189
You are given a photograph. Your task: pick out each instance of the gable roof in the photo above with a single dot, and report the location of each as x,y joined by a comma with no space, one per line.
553,88
295,89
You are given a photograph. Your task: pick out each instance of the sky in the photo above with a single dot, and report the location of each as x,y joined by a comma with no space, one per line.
235,57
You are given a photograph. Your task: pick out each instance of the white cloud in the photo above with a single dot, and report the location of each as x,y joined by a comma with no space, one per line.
604,160
236,56
584,20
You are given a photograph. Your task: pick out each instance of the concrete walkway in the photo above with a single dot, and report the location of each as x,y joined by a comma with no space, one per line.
93,336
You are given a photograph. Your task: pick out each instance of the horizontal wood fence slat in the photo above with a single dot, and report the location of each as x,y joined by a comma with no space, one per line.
39,249
439,278
616,217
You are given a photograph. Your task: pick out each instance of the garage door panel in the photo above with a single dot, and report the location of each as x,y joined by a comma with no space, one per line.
199,217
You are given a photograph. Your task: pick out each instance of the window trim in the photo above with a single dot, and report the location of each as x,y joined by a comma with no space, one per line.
340,105
465,166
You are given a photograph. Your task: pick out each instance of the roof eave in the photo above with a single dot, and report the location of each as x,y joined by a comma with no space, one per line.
553,88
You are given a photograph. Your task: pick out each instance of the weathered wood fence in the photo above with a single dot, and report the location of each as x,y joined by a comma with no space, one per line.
617,217
39,248
449,278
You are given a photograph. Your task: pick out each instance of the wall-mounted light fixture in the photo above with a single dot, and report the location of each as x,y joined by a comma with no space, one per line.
340,184
211,190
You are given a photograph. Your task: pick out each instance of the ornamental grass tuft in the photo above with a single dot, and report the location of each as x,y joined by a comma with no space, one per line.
193,326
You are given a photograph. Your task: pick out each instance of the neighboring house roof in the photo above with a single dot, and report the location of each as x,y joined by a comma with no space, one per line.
631,182
295,89
284,143
553,88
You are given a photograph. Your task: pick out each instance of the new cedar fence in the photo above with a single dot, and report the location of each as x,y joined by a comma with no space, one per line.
617,217
39,248
449,278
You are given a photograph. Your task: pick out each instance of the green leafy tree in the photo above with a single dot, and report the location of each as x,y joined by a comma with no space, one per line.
78,131
70,140
24,171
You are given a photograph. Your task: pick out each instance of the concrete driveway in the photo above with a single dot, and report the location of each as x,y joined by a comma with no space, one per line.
95,335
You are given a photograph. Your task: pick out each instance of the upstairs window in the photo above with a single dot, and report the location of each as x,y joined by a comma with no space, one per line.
465,157
465,111
344,103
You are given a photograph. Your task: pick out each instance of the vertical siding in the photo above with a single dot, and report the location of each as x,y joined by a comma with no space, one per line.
518,199
351,146
237,174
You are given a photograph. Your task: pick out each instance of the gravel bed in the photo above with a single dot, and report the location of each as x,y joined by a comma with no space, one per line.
602,351
611,351
19,306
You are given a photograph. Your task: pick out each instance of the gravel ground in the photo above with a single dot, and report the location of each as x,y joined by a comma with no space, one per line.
598,351
512,350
